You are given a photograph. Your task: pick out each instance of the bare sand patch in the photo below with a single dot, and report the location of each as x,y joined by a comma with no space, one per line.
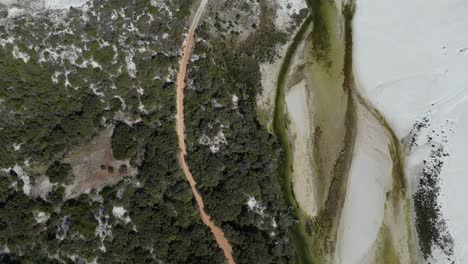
270,70
94,166
372,225
369,179
299,129
42,187
266,99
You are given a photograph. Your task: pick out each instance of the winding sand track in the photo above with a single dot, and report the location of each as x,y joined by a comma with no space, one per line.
223,243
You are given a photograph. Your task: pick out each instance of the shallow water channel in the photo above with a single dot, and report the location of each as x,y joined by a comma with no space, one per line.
315,120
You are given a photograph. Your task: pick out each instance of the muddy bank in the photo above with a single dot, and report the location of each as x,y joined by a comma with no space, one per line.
314,119
302,244
335,144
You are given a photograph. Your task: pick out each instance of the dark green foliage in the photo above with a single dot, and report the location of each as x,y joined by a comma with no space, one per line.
58,171
51,118
55,197
124,141
9,259
430,224
115,104
17,224
165,223
163,212
320,36
81,216
245,166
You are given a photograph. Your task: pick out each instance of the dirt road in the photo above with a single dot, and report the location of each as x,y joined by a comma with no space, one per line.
188,45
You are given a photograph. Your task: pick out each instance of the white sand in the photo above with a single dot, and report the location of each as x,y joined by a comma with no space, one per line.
121,213
63,4
408,62
285,10
269,73
298,107
370,177
23,176
21,6
41,217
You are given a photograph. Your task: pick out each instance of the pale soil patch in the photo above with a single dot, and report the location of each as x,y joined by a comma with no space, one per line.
269,78
41,217
299,131
240,17
125,117
266,99
285,11
367,211
63,4
121,213
42,186
23,176
214,142
94,166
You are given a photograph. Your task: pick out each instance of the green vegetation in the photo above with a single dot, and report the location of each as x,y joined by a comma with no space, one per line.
334,174
45,118
53,104
73,84
385,252
329,73
302,244
58,171
245,166
48,118
124,141
323,13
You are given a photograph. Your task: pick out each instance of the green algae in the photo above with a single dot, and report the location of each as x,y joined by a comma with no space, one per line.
329,73
327,67
385,251
335,117
302,243
325,77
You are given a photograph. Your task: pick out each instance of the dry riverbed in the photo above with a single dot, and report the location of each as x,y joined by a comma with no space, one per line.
337,145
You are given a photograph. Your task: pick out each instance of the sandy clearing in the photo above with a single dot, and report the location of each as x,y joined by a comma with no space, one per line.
87,161
296,101
223,243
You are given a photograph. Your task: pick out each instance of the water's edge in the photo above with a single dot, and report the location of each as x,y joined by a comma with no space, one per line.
307,248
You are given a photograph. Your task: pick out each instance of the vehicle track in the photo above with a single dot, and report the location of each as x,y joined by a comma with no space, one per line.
223,243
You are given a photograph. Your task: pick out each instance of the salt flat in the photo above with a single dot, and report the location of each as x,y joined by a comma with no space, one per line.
409,62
